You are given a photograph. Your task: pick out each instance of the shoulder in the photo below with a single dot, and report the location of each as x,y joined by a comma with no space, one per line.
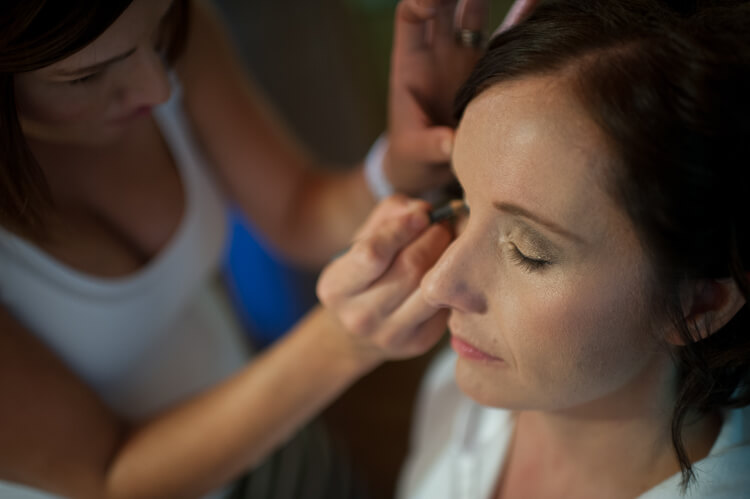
723,474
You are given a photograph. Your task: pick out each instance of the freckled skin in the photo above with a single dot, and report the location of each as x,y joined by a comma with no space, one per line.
575,334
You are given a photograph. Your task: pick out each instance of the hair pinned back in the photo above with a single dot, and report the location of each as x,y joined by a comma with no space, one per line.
668,86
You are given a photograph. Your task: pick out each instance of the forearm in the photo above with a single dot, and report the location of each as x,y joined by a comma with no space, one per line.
320,217
200,446
306,211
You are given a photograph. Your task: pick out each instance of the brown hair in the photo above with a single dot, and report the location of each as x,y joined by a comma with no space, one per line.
35,34
669,88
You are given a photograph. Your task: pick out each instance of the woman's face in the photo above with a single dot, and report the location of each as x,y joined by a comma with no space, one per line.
92,96
547,284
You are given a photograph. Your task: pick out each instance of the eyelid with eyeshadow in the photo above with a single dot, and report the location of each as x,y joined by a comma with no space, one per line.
529,264
527,260
98,69
86,78
535,246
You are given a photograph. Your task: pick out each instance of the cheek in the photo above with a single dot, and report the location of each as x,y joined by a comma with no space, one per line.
579,339
57,106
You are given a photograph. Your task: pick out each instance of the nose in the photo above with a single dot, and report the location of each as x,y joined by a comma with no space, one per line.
454,282
147,80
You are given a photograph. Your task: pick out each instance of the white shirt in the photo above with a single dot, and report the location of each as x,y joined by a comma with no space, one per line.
150,339
459,448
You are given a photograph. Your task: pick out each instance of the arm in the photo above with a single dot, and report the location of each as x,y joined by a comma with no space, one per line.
428,67
60,437
306,211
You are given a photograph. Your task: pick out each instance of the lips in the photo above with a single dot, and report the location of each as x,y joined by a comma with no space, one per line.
470,351
137,113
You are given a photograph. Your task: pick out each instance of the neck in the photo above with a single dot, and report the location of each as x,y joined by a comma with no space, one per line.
622,441
69,165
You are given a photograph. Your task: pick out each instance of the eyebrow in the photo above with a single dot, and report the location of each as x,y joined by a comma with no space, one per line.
96,67
518,211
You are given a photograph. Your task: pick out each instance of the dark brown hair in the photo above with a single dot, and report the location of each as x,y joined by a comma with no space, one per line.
668,85
35,34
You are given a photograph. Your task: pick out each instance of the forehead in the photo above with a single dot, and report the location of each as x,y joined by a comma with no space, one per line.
531,142
141,17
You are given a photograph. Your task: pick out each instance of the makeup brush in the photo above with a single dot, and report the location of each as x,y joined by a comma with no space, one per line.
448,211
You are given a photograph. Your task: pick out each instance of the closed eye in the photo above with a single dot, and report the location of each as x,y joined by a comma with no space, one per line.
85,79
527,263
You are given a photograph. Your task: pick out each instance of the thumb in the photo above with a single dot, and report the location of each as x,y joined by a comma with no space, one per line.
430,145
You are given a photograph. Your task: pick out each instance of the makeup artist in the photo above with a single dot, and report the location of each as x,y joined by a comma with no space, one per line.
126,126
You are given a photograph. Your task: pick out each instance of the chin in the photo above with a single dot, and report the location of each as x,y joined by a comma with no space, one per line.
102,135
489,387
101,139
90,135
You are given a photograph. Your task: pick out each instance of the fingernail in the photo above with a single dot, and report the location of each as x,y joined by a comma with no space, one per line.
446,146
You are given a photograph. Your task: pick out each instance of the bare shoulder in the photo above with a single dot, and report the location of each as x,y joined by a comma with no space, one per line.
55,433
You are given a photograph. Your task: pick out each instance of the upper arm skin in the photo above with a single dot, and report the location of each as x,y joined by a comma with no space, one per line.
306,213
55,434
257,160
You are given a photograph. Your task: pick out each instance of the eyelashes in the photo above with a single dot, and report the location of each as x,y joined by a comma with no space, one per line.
526,263
157,44
85,79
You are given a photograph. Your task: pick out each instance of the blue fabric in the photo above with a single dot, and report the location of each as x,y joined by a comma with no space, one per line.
269,295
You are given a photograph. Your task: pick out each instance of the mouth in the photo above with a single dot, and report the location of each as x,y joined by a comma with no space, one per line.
137,113
469,351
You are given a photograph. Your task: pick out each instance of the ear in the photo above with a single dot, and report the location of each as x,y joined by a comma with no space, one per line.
708,305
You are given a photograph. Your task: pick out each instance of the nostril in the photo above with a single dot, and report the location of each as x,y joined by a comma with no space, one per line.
470,300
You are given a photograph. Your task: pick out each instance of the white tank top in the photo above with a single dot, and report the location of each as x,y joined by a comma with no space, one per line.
152,338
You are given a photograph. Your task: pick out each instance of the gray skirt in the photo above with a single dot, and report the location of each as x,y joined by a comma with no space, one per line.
309,466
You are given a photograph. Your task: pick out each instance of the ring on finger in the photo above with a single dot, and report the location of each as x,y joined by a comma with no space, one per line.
469,38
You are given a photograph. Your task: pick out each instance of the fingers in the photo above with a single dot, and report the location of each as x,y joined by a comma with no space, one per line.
393,314
393,224
431,145
419,158
444,22
472,14
389,211
418,326
411,26
517,13
414,19
404,275
374,290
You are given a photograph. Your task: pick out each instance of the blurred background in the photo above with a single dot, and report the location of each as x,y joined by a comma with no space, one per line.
323,65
